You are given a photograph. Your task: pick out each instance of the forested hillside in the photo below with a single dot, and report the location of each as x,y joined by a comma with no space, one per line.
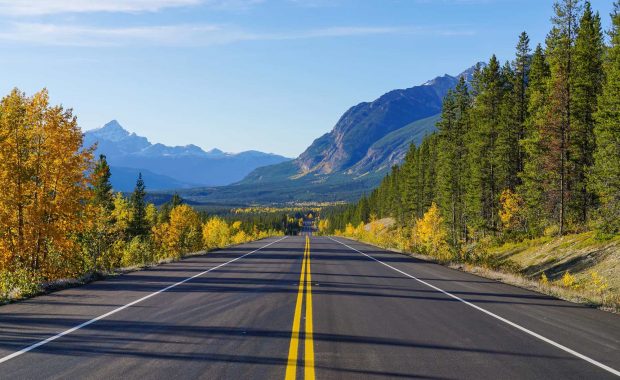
532,148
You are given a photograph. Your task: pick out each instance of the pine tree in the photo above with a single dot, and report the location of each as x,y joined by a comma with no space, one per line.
428,169
531,189
587,82
176,200
509,130
521,69
487,173
102,187
605,177
138,226
452,160
555,134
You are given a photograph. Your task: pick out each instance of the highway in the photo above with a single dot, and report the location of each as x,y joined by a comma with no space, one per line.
304,307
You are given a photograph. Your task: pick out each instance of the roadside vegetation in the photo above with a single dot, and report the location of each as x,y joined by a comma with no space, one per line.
62,224
523,175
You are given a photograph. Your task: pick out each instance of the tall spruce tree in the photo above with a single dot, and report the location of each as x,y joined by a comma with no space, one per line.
102,187
532,189
410,195
486,173
508,132
452,160
521,68
605,176
587,83
556,132
139,225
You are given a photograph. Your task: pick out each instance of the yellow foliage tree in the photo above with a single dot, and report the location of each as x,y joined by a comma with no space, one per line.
511,205
215,233
240,237
151,214
429,234
184,232
122,213
236,226
42,168
323,226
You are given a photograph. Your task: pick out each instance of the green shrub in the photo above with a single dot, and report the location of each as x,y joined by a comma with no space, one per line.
18,283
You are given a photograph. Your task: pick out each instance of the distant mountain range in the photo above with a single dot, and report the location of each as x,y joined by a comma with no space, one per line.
170,167
352,159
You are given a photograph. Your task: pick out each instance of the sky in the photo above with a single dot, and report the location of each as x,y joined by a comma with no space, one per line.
269,75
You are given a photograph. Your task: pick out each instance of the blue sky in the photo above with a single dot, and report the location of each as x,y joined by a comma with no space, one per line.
270,75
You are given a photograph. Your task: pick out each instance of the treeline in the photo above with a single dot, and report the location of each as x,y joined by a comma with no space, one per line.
59,216
529,147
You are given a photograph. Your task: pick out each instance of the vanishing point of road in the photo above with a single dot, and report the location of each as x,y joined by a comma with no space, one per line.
304,307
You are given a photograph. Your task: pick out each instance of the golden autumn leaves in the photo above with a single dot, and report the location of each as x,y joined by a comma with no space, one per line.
42,176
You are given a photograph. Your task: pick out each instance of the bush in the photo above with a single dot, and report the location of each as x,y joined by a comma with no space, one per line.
138,251
18,283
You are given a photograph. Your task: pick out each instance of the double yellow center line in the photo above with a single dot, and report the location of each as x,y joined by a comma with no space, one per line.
305,283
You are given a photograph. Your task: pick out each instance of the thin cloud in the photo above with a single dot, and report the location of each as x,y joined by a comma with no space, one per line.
187,35
47,7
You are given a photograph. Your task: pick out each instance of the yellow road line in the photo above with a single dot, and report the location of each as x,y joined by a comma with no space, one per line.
309,347
291,366
305,288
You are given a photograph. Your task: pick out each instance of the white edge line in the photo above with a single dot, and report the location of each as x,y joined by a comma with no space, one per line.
530,332
69,331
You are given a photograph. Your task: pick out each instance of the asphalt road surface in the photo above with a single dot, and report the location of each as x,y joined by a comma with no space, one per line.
304,307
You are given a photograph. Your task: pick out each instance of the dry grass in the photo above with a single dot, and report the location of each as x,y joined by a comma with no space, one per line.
592,263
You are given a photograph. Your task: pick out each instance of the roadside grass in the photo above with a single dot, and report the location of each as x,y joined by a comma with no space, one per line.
577,268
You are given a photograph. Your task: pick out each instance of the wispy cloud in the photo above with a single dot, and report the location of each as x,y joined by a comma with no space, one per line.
46,7
187,35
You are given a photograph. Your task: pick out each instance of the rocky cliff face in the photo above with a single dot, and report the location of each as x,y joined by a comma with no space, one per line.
363,125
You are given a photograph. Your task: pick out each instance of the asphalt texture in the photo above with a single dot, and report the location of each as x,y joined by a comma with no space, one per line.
397,318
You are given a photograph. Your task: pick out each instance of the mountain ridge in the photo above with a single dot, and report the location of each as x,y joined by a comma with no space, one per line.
169,167
347,147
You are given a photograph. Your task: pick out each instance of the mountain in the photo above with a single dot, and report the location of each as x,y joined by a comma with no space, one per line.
170,167
354,156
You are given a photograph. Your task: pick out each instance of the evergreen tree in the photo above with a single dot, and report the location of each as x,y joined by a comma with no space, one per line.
139,225
176,200
509,130
101,185
410,180
166,208
557,125
363,211
452,160
521,69
531,189
428,176
586,87
605,177
487,173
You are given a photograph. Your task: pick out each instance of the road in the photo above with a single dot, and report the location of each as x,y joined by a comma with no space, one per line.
304,307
